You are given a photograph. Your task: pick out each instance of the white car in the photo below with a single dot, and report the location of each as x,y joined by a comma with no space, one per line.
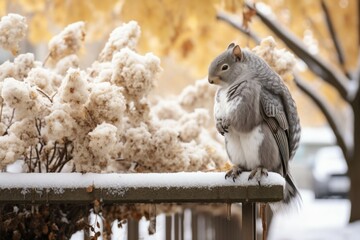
319,164
330,173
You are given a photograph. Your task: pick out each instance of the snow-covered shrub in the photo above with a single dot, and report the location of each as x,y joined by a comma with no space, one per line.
100,119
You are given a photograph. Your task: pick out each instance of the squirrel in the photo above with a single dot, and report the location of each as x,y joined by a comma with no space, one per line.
257,116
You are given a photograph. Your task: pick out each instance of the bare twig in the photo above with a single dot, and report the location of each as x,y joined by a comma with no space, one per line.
46,59
358,14
10,122
237,25
38,126
338,48
53,155
334,38
53,95
63,157
59,159
47,163
91,118
357,70
44,94
1,110
315,63
330,114
30,170
38,158
356,82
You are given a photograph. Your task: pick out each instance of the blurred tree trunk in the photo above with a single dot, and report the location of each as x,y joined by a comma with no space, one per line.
354,164
344,82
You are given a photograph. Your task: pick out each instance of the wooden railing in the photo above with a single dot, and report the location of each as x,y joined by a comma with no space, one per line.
155,188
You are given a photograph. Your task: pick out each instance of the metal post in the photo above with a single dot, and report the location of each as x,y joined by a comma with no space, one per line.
176,226
133,229
182,230
168,224
249,221
194,224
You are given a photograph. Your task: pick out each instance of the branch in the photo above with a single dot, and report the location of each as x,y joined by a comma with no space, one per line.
331,116
338,48
44,94
237,25
358,15
10,122
354,85
357,70
1,110
315,63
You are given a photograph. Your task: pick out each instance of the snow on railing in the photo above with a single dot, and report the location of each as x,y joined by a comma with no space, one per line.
194,187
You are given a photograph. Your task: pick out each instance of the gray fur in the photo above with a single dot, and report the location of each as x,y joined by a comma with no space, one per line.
269,153
247,114
256,96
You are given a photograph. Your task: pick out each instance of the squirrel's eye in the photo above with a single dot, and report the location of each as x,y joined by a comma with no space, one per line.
224,67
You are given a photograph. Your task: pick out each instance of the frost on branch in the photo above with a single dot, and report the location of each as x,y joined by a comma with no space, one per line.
136,73
59,125
103,140
201,94
70,61
11,149
46,80
106,103
21,97
67,42
13,29
127,35
25,130
73,89
18,69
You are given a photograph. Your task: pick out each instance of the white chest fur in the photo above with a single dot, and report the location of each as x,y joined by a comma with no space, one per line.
243,148
220,104
222,107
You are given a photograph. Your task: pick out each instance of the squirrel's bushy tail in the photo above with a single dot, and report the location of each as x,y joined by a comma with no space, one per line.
292,198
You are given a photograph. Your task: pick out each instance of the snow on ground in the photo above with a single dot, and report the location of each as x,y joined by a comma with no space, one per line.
324,219
318,219
122,233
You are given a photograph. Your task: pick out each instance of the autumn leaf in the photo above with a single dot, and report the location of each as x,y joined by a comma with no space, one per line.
90,188
247,16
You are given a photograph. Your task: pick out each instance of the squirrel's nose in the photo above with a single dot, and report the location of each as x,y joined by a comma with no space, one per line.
214,79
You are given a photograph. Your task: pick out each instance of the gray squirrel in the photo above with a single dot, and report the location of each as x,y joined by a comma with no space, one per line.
257,116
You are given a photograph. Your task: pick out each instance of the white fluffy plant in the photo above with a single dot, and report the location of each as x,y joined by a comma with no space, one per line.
58,117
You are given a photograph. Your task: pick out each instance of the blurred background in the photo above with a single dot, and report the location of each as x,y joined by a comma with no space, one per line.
187,35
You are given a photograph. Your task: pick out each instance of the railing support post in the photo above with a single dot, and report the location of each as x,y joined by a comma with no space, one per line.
249,220
168,223
133,229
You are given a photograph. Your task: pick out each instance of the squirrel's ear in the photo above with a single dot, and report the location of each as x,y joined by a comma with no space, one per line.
231,45
237,52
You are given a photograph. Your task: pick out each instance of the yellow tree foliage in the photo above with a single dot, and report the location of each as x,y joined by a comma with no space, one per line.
187,34
187,28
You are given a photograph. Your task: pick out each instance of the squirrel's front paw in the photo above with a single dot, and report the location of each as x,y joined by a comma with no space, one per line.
222,125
